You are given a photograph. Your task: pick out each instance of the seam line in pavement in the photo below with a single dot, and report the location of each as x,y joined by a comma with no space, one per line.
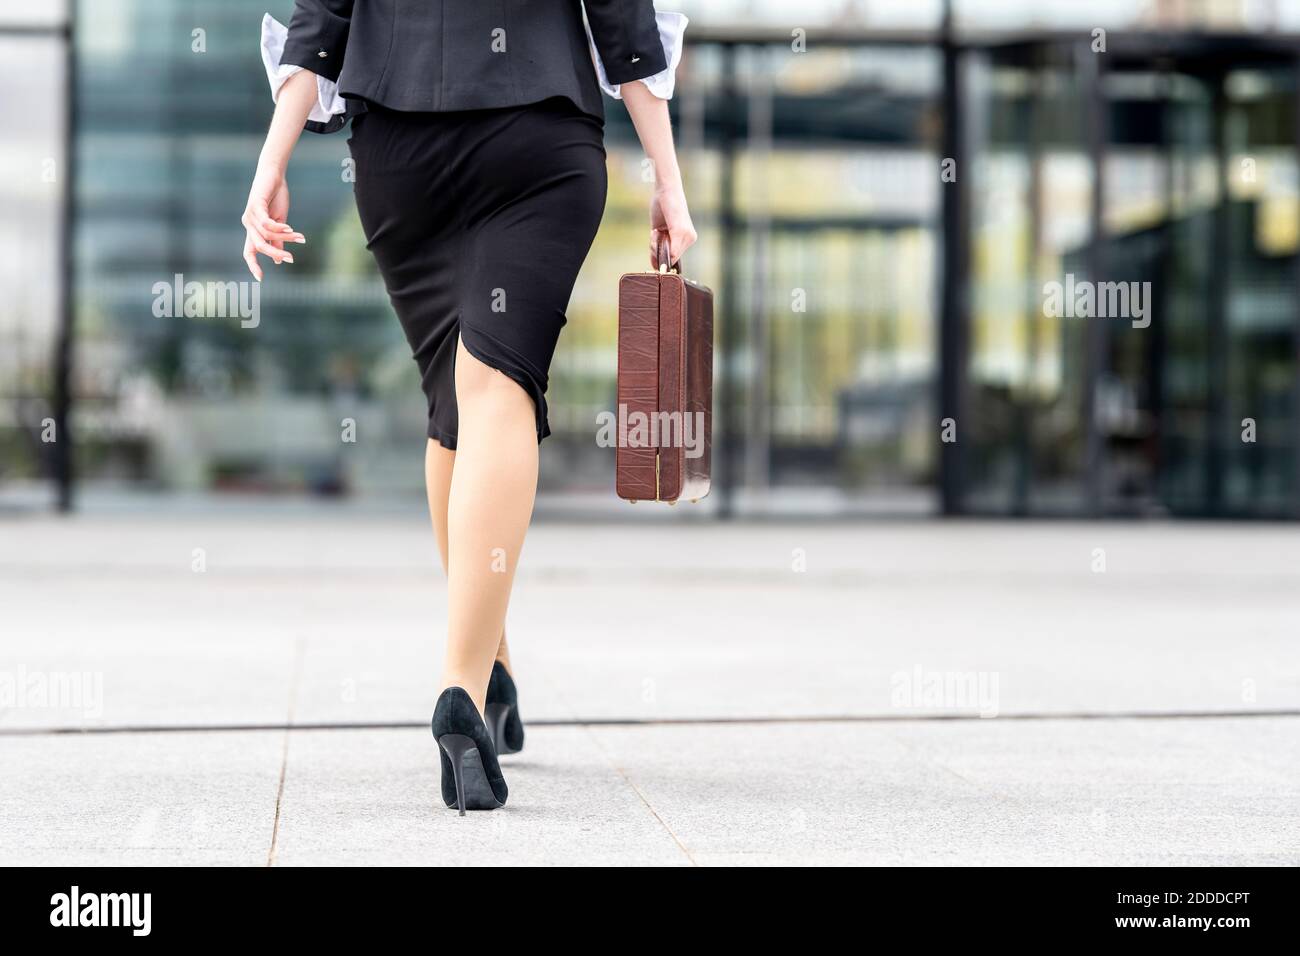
284,750
655,813
655,722
628,782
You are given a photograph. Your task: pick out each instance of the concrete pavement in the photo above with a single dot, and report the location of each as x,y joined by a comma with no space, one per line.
862,655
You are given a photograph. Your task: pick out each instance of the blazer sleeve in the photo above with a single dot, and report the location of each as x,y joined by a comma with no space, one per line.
627,38
318,35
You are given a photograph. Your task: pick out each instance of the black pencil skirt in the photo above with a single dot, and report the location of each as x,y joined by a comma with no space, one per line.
479,221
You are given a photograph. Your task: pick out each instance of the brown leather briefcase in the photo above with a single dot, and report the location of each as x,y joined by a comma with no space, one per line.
665,385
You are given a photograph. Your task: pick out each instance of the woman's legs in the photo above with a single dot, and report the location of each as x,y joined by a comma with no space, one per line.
438,464
489,504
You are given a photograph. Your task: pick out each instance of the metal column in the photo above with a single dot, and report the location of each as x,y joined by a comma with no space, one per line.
953,280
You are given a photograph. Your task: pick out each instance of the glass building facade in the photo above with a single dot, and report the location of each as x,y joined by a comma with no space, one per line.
1166,164
33,177
814,159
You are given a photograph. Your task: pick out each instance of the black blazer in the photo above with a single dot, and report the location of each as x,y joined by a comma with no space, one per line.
444,55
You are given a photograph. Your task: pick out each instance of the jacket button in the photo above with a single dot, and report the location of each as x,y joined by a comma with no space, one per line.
322,54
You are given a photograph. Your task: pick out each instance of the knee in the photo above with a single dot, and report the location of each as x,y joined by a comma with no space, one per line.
478,383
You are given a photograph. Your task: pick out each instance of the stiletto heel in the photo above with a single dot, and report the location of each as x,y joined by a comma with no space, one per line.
502,712
495,715
456,746
471,776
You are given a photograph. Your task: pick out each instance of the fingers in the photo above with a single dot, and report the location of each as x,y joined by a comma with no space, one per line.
255,243
251,258
679,240
268,249
258,216
268,230
274,231
266,236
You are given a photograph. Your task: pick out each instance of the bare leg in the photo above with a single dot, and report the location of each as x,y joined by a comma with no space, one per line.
438,464
489,505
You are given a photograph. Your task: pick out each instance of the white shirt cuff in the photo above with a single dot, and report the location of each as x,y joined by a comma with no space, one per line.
328,101
671,28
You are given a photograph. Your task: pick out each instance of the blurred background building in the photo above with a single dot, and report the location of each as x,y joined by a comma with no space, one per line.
869,304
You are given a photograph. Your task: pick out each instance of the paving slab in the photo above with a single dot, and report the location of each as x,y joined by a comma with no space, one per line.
373,797
338,617
155,650
139,799
987,792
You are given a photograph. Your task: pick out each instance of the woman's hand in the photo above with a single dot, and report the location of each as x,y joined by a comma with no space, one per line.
670,217
265,229
668,213
268,201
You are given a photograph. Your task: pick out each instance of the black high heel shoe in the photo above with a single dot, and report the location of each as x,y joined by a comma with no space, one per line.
471,776
502,712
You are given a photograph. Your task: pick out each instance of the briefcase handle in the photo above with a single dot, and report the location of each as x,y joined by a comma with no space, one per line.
661,257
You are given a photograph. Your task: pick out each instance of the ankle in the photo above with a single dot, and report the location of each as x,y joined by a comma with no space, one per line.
477,694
